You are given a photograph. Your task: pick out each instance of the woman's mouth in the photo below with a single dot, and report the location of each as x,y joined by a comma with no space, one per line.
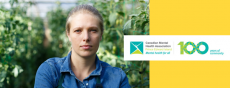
86,46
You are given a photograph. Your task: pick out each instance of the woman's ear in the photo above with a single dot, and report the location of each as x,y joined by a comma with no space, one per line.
68,35
101,36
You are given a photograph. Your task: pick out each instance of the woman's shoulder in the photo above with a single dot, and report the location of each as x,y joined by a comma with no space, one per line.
49,70
55,61
52,65
108,67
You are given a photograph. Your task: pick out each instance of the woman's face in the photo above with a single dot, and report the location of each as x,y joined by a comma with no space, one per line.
85,34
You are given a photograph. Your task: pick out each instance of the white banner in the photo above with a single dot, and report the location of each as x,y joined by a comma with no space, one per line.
177,47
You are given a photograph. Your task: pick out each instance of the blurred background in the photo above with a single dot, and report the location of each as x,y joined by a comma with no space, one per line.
31,31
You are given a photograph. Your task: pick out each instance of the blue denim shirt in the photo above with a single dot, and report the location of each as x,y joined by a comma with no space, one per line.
49,72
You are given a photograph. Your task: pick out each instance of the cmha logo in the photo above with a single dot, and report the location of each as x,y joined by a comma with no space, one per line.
136,47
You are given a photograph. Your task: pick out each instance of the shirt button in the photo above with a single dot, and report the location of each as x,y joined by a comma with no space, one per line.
86,84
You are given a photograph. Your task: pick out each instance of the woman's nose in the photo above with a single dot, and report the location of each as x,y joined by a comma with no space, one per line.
86,36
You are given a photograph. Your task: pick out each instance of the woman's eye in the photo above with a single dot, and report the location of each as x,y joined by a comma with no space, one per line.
94,30
77,31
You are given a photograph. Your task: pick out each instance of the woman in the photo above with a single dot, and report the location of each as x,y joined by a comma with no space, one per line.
81,68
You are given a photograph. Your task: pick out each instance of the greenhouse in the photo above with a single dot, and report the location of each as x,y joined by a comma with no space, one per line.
32,31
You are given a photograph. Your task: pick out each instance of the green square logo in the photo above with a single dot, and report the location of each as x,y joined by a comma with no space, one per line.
136,47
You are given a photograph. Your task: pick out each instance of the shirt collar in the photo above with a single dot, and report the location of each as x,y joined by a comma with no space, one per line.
67,68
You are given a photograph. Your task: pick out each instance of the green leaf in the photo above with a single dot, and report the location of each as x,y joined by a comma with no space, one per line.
16,21
128,25
14,26
137,21
141,1
18,69
142,12
121,13
143,24
133,15
2,75
112,18
8,57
